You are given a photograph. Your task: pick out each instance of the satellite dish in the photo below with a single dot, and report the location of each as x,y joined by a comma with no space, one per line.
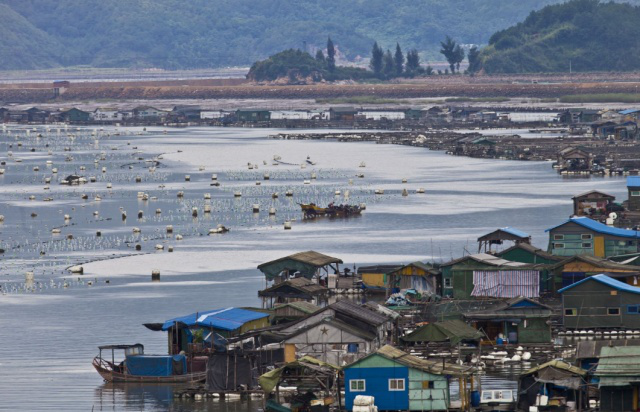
613,215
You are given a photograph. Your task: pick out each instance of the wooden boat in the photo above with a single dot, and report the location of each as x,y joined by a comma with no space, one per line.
111,372
311,210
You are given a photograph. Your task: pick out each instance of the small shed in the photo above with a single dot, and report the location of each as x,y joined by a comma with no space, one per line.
400,381
633,188
576,268
374,278
292,311
556,379
253,115
619,373
497,237
520,320
75,115
451,331
309,264
227,322
575,159
296,289
345,114
592,203
601,302
420,276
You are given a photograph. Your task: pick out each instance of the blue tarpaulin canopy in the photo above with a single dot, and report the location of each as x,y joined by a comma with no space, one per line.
156,365
224,319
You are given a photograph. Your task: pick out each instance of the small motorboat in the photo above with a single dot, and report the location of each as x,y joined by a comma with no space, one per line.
140,368
311,162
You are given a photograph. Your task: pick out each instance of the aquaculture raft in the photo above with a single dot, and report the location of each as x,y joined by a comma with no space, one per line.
311,210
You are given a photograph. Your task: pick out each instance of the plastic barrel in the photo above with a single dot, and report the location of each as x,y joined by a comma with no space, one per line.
475,399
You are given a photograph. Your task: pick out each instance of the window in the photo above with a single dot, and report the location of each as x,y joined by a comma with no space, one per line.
571,312
357,385
632,309
558,237
396,384
613,311
558,245
635,193
427,384
586,245
447,282
586,237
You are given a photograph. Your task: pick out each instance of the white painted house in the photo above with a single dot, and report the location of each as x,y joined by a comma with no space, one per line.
106,114
380,115
148,112
212,114
290,115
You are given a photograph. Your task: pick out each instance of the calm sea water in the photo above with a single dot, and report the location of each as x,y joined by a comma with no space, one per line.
50,333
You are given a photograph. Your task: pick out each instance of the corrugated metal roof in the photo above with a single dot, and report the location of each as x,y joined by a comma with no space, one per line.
310,257
598,262
450,330
606,280
591,348
592,192
359,312
515,232
304,285
557,364
225,319
619,361
488,260
633,181
629,111
302,306
599,227
339,325
434,367
533,250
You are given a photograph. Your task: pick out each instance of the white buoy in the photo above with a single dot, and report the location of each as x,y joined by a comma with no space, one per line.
420,190
158,211
256,208
56,231
405,193
363,206
159,247
404,180
29,276
76,269
379,191
214,177
207,196
109,186
287,225
178,237
187,178
155,274
207,208
272,211
136,230
237,194
194,211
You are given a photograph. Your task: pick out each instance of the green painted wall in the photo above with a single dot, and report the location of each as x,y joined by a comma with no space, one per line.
420,399
447,274
376,361
537,331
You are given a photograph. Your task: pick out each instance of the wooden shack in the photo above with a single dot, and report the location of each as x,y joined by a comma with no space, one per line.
584,236
400,381
520,320
574,159
420,276
374,278
592,203
600,302
633,188
576,268
308,264
483,275
292,311
499,236
293,290
619,373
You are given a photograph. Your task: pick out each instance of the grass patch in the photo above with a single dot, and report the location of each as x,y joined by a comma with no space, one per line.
601,98
360,100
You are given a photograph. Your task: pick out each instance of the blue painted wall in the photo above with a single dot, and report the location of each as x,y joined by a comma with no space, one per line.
377,385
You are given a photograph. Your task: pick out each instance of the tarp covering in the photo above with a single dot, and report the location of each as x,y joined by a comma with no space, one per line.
451,330
506,283
304,262
156,365
227,372
270,380
224,319
619,365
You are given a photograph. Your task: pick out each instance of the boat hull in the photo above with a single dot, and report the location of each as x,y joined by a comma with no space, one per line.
118,377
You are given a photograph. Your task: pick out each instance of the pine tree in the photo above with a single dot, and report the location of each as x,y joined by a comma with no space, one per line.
388,64
376,59
448,50
399,60
474,59
331,55
413,62
320,56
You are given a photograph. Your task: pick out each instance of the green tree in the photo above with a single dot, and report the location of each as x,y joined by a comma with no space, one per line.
413,62
331,55
474,60
376,59
388,64
429,71
399,60
448,50
459,57
320,56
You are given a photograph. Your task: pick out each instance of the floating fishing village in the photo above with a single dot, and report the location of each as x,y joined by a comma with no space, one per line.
337,206
329,334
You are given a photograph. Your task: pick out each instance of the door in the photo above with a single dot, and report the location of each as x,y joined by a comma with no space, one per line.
598,246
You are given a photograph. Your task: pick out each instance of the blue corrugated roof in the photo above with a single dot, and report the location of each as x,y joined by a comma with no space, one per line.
633,181
629,111
515,232
599,227
604,279
225,319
